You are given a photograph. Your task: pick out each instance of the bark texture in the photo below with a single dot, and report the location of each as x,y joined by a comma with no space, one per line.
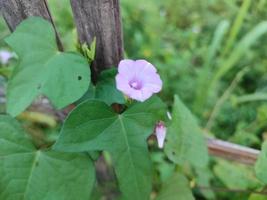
100,19
15,11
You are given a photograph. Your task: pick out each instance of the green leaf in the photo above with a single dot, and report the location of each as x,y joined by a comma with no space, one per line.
258,197
92,50
205,72
89,53
236,176
176,188
94,126
257,96
105,90
240,50
204,177
30,174
62,77
164,168
238,23
261,164
185,141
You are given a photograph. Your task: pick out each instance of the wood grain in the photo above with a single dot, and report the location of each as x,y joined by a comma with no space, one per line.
100,19
231,151
15,11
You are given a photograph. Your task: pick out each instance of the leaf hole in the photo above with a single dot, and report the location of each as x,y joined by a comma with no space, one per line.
79,78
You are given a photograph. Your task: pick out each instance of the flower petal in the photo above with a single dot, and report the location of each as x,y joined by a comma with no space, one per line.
139,95
122,83
160,132
153,82
139,71
126,67
144,67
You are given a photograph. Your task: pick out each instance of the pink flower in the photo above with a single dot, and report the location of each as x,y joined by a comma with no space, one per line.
5,56
138,79
160,132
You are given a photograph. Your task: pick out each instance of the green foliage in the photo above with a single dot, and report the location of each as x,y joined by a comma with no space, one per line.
191,44
105,89
251,97
94,126
42,69
257,197
185,141
89,52
176,188
205,73
236,176
28,173
242,47
204,177
260,166
243,11
64,21
164,168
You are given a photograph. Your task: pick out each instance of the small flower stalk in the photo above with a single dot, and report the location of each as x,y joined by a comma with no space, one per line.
160,132
138,79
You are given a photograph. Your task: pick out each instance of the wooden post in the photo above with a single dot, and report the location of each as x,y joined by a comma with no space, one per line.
231,151
100,19
15,11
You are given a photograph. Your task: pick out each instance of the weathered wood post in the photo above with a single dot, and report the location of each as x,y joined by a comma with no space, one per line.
15,11
100,19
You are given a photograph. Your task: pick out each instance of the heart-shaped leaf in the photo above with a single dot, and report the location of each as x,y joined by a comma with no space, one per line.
42,69
30,174
261,164
185,142
105,89
176,188
94,126
234,175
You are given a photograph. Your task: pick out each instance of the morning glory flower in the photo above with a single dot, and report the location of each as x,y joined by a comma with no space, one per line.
160,132
138,79
5,56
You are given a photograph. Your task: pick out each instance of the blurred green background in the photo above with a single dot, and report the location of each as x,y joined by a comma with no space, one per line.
210,52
